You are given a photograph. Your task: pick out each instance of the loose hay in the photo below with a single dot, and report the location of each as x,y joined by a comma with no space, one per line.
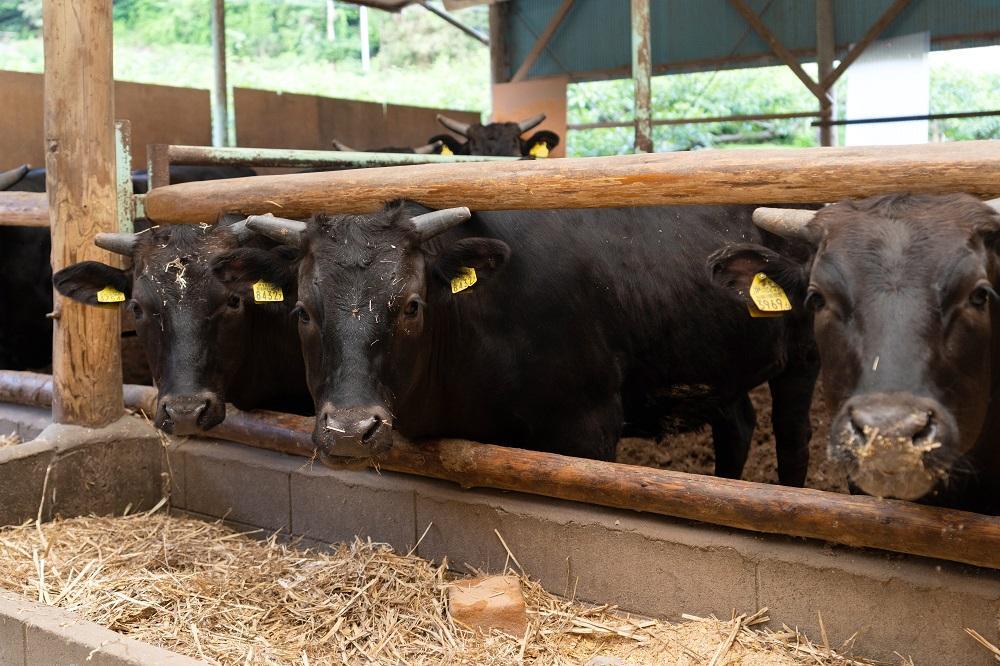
9,440
203,590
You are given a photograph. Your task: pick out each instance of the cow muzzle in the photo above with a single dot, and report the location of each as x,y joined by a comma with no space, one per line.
893,444
356,432
189,414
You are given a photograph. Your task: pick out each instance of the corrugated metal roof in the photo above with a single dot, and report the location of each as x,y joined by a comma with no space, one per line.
695,35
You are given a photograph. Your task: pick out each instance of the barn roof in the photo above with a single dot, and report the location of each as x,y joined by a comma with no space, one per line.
593,40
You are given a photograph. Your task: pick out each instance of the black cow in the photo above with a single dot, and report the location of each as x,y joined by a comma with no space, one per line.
206,340
578,326
497,139
903,290
431,148
26,281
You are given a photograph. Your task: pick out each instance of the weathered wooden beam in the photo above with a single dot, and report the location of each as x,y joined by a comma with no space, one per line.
499,48
825,51
80,164
851,520
642,74
778,48
542,41
805,175
876,29
24,209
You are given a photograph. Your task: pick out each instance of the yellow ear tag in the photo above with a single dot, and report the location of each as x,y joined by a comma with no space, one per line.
768,298
265,292
540,149
445,150
110,295
464,281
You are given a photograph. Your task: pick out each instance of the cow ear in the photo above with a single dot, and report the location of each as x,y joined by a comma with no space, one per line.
989,232
485,256
540,144
241,268
450,145
734,267
94,283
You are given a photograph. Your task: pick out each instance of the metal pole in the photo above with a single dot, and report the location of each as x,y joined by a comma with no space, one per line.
220,91
471,32
642,71
825,47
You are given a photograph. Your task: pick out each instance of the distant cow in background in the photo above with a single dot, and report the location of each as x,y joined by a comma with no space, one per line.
497,139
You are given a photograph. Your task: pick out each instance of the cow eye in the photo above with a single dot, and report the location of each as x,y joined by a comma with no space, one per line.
981,295
234,302
300,311
135,309
412,307
815,300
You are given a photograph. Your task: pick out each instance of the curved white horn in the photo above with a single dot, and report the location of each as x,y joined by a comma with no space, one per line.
343,147
123,244
429,149
786,222
533,121
8,178
456,126
278,229
241,231
435,222
994,204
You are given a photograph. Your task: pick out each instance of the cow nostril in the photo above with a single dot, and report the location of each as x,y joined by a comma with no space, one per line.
372,430
928,431
857,427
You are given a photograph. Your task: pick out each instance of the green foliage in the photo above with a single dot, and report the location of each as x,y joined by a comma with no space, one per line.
21,18
958,89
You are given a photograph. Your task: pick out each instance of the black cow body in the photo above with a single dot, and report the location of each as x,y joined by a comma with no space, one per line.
583,326
904,291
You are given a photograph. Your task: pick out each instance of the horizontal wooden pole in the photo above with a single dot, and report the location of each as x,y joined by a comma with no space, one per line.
803,175
24,209
851,520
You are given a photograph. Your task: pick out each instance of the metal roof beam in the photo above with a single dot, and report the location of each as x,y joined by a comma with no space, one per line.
873,32
543,41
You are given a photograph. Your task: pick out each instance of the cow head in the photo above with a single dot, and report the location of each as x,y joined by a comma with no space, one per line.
902,292
195,327
370,287
498,139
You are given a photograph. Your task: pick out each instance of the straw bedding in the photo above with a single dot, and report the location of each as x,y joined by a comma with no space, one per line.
9,440
203,590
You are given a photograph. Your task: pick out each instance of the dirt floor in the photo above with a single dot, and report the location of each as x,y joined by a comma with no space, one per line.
692,452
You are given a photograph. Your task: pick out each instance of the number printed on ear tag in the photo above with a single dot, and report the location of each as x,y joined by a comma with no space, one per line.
769,299
465,280
110,295
265,292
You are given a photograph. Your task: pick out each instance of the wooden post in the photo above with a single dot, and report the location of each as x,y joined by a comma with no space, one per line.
499,54
642,72
80,159
220,91
825,47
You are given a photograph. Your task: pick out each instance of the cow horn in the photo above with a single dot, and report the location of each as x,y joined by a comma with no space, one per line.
278,229
533,121
456,126
785,222
343,147
123,244
429,149
241,231
9,178
431,224
994,204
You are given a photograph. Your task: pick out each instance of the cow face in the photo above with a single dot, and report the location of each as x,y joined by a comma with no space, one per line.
498,139
369,288
902,291
194,326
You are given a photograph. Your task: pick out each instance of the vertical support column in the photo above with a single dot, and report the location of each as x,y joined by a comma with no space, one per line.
80,159
499,53
825,49
220,91
123,177
642,71
363,29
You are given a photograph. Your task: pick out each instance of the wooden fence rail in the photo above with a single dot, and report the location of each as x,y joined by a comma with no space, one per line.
24,209
805,175
844,519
